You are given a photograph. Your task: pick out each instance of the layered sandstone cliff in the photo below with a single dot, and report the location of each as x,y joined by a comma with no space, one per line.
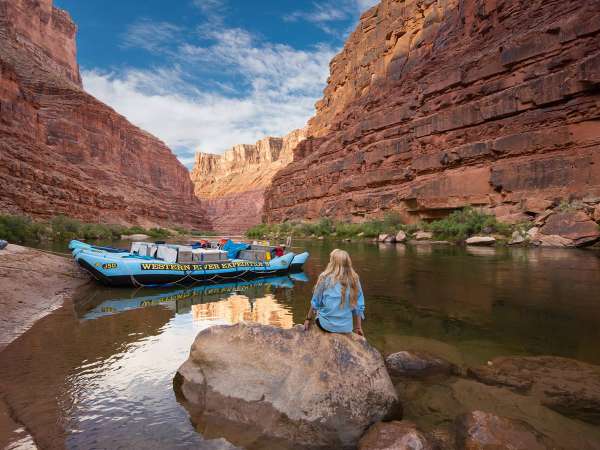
434,105
231,186
64,152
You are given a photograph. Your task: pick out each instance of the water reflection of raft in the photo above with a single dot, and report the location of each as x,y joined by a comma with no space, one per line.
161,264
104,302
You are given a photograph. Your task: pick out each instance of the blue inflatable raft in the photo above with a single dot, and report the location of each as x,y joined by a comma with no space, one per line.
161,264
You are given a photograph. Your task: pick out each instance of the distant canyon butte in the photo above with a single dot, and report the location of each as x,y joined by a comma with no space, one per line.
432,105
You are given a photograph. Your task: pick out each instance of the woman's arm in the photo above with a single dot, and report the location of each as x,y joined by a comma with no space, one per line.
309,317
359,312
357,328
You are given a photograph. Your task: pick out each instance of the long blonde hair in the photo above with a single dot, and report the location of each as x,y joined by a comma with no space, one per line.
340,270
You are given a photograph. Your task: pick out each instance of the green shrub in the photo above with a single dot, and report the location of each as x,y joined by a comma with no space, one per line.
134,230
461,224
158,233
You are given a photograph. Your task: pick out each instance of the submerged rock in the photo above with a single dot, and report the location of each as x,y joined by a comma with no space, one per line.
396,435
480,430
567,386
255,384
417,364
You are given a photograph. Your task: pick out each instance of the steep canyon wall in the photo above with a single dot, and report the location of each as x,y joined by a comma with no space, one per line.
64,152
437,104
231,186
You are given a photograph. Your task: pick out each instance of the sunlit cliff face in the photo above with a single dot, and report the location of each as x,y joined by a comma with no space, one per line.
238,308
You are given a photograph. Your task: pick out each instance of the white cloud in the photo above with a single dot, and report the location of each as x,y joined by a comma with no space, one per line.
366,4
150,35
324,12
281,85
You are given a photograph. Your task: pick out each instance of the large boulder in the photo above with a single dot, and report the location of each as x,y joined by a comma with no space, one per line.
480,430
262,385
386,238
396,435
417,365
576,226
567,386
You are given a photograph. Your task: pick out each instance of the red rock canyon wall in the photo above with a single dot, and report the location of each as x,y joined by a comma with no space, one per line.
64,152
434,105
231,186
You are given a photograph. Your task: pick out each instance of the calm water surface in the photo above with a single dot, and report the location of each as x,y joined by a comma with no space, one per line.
98,372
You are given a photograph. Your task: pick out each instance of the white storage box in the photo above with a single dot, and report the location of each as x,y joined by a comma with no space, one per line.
167,254
209,255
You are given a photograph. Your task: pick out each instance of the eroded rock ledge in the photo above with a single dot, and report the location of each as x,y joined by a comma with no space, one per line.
434,105
231,186
64,152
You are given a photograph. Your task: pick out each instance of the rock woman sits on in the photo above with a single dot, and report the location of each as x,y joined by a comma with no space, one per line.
338,299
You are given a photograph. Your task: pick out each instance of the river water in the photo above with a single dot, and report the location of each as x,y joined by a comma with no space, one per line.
98,372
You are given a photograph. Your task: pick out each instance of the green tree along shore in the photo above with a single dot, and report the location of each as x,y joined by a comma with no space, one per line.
456,227
19,229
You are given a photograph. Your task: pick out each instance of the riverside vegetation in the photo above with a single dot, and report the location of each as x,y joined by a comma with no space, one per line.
21,229
456,227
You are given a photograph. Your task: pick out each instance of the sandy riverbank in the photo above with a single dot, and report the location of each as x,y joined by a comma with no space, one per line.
32,284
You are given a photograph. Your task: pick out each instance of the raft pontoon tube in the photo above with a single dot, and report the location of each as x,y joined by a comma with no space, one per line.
161,264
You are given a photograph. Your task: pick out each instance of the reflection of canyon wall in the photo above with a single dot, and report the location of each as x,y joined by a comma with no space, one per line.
64,152
434,105
237,308
232,185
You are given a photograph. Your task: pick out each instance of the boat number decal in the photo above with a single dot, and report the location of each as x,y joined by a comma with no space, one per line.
187,267
109,266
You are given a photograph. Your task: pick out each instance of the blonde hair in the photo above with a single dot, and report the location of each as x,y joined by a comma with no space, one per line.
340,270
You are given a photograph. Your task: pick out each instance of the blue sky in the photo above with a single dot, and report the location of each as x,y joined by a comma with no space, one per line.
207,74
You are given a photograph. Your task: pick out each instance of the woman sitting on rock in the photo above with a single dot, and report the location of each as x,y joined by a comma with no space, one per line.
338,299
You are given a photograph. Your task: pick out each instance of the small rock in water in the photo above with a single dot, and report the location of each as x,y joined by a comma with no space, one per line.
388,238
423,236
481,240
417,365
517,238
135,237
400,435
301,389
480,430
401,236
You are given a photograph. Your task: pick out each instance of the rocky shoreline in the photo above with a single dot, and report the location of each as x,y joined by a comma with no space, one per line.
341,396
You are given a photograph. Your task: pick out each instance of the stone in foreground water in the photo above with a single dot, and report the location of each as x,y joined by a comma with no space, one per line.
256,384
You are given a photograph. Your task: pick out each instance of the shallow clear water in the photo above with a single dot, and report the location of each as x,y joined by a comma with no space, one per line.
98,372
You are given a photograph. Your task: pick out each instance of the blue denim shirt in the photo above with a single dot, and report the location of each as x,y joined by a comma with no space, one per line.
327,304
